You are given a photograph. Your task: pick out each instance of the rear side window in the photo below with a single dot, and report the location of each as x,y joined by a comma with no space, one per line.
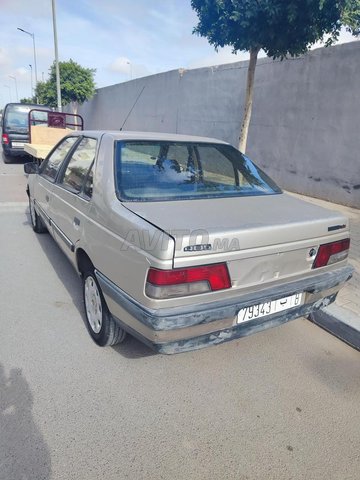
38,117
79,165
159,170
52,164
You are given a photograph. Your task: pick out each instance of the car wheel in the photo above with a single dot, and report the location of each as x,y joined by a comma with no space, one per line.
102,327
6,157
36,221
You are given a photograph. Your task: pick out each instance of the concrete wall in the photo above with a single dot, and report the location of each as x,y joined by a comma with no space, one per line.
305,128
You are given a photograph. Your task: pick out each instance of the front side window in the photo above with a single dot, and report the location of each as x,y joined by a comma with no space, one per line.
52,164
152,171
79,165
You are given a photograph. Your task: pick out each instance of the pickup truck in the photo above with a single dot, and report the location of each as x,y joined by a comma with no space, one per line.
46,129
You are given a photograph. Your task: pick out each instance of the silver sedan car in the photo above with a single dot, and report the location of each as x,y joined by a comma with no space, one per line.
182,241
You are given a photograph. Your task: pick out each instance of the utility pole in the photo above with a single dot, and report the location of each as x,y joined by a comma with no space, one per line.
58,89
32,88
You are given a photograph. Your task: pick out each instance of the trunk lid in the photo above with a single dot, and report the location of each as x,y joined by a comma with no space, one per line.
262,238
231,224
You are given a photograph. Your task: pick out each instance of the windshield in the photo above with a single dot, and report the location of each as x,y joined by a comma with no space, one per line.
153,171
17,117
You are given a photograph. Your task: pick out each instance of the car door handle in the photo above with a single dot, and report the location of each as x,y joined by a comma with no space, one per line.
47,198
76,222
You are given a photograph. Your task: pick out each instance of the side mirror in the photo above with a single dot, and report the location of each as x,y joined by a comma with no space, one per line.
31,168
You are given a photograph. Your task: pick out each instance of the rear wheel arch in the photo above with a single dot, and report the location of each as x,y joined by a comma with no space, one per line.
103,328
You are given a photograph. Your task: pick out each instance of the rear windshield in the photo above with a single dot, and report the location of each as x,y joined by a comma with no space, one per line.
17,116
154,171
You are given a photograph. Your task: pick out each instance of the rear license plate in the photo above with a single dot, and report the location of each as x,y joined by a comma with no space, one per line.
269,308
18,144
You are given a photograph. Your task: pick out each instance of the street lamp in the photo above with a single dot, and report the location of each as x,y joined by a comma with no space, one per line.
32,89
17,95
8,86
33,37
57,70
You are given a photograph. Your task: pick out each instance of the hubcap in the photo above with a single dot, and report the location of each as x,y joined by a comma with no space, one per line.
32,213
93,304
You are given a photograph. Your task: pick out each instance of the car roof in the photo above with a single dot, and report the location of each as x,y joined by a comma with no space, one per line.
28,105
158,136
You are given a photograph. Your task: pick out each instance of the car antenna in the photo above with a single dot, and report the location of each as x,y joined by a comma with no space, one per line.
132,108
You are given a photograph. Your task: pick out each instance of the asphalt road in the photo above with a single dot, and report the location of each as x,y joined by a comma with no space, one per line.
282,404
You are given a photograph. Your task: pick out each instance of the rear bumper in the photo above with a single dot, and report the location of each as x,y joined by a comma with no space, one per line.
13,151
180,329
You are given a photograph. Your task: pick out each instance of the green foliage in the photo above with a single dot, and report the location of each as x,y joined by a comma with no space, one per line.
27,101
45,93
279,27
76,82
351,16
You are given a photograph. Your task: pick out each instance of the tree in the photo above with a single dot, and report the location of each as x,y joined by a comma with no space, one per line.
76,83
351,16
45,93
279,27
27,101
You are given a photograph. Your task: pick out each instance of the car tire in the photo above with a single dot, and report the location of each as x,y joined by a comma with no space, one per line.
7,158
103,329
36,221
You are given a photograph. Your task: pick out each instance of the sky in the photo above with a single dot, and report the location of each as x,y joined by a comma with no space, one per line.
121,39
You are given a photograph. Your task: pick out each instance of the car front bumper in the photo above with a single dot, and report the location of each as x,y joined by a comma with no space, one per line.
180,329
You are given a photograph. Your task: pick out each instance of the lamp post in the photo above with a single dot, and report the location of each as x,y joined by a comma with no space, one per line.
8,86
58,90
32,89
16,89
33,37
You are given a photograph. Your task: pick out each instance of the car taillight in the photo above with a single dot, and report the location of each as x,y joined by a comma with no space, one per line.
187,281
330,253
5,138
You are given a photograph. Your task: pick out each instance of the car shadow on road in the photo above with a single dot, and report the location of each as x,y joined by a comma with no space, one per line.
24,453
131,347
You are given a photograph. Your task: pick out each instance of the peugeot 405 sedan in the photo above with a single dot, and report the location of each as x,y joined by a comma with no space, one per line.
182,241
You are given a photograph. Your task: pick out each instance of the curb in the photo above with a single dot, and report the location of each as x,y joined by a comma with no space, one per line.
340,322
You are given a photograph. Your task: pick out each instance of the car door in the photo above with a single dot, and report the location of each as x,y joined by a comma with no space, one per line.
71,195
43,186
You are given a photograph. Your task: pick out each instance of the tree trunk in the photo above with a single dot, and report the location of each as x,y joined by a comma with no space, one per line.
74,107
249,99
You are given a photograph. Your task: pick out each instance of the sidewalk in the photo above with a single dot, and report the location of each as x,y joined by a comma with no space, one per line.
343,317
